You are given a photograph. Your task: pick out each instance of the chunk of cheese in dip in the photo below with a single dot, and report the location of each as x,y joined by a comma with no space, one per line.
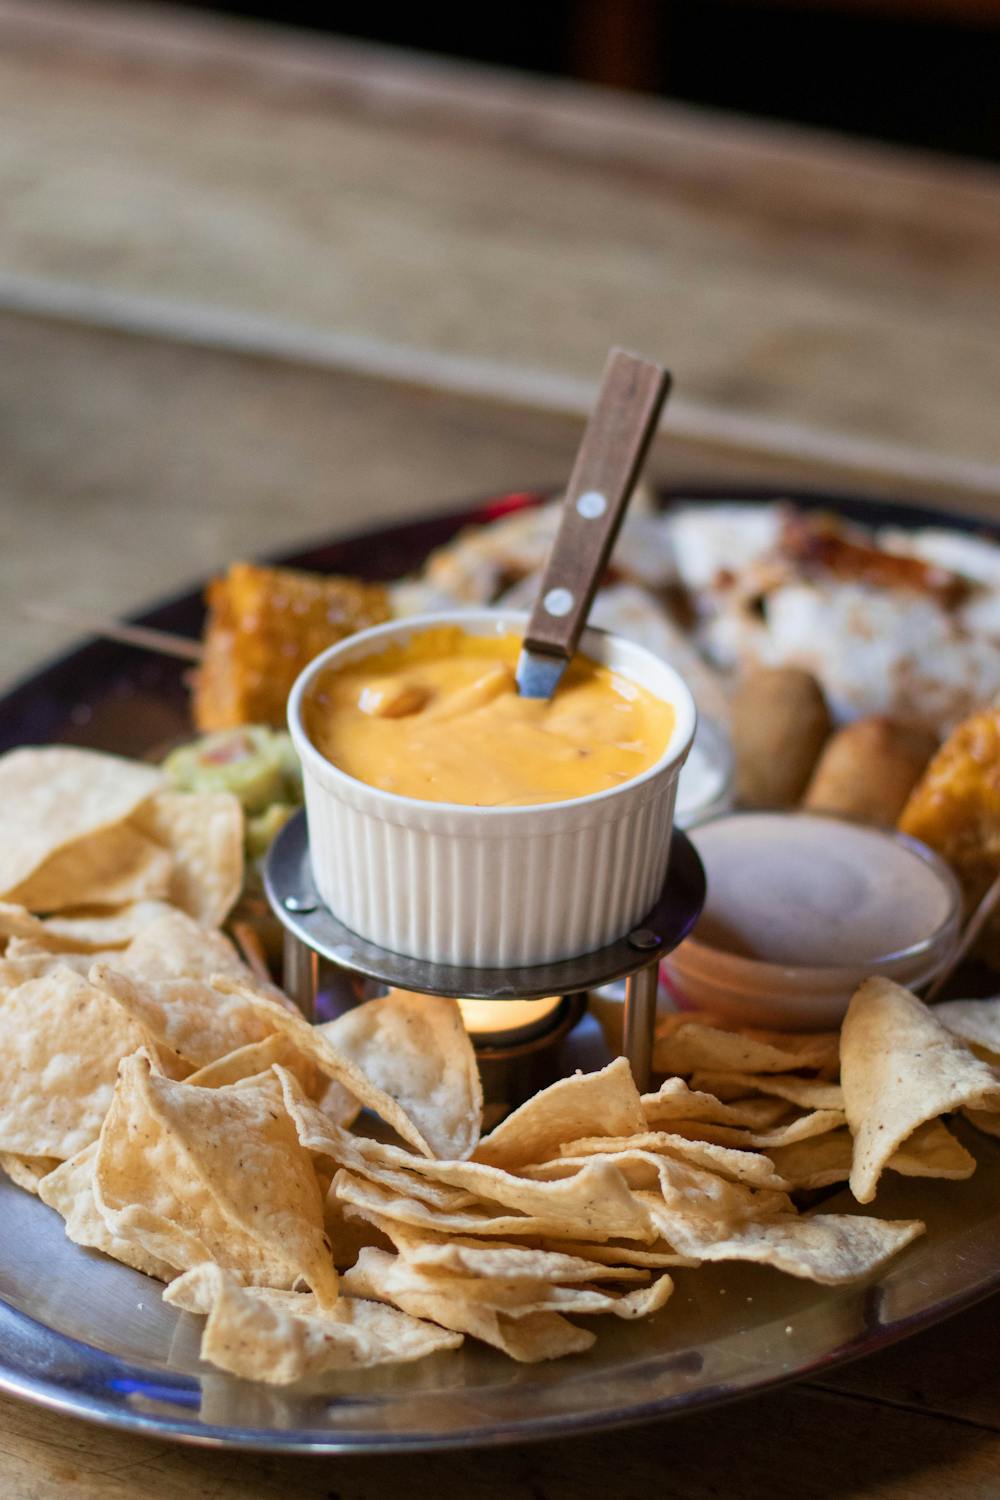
439,718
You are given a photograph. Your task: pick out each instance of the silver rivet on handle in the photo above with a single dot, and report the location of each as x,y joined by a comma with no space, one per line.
591,504
558,602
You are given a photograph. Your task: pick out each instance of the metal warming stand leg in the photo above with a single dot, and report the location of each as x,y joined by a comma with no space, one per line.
640,1022
300,973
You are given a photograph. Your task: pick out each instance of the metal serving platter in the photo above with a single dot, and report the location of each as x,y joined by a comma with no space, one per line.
84,1335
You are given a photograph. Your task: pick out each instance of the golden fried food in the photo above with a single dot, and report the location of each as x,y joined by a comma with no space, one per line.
264,625
779,723
869,768
956,806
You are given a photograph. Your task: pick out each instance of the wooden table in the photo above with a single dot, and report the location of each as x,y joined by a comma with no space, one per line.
255,288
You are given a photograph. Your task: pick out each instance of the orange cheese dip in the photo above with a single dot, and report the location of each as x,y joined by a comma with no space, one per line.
439,718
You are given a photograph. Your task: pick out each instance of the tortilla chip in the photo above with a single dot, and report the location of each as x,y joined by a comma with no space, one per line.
310,1041
804,1093
598,1197
988,1123
203,833
417,1050
19,949
832,1249
195,1174
899,1068
70,1191
653,1257
373,1200
253,1059
675,1100
27,1171
197,1023
680,1182
85,929
977,1022
820,1161
575,1106
932,1151
542,1335
591,1198
799,1129
18,922
333,1100
79,931
350,1233
503,1262
738,1166
589,1301
54,796
19,969
721,1086
437,1194
60,1044
281,1337
517,1298
391,1166
110,868
175,946
690,1041
816,1162
497,1263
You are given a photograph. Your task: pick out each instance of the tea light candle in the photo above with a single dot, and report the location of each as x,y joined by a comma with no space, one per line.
507,1020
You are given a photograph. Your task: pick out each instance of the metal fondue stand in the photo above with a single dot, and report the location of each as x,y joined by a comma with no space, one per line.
311,932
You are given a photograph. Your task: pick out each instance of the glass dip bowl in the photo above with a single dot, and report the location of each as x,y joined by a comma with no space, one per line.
801,908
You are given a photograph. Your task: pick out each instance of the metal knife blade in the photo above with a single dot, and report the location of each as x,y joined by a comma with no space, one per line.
538,673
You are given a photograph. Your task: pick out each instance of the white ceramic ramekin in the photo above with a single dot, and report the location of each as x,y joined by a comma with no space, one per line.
491,886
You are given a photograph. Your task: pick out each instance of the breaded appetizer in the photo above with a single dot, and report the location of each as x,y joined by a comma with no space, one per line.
264,625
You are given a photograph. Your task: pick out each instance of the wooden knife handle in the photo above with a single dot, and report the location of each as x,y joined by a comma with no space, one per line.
608,462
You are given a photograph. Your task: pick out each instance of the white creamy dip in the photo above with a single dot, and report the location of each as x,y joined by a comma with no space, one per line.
814,891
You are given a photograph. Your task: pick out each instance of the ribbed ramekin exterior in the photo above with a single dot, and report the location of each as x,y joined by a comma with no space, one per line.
493,900
491,887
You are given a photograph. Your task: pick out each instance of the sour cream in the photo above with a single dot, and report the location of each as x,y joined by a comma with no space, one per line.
801,908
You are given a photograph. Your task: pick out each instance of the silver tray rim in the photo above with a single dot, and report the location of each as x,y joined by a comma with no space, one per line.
79,1403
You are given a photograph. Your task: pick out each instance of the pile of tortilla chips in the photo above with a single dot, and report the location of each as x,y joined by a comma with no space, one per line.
87,837
183,1118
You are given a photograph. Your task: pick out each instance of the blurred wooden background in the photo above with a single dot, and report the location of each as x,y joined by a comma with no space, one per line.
257,285
920,72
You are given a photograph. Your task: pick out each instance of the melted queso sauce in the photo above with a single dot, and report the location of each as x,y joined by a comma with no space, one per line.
439,718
